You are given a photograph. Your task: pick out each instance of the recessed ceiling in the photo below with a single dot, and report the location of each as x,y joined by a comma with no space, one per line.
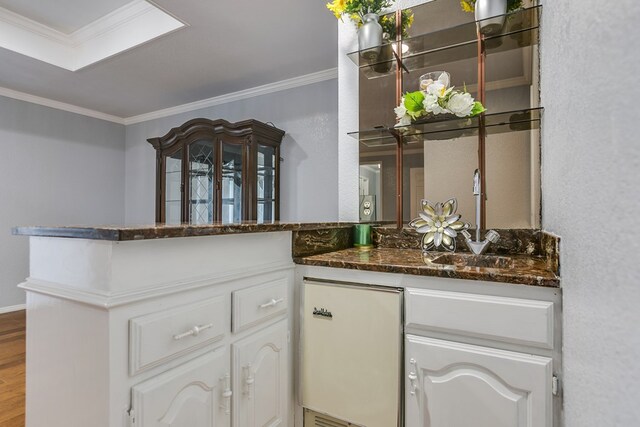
226,47
65,16
121,29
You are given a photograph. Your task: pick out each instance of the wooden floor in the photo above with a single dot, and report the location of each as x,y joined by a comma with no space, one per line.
12,369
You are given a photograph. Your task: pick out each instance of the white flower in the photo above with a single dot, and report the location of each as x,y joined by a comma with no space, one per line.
461,104
444,79
400,110
431,105
436,88
405,120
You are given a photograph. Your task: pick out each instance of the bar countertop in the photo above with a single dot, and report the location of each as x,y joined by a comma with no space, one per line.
163,231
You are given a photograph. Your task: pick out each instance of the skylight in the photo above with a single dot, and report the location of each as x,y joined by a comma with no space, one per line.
122,29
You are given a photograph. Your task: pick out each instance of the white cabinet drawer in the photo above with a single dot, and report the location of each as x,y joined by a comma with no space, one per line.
159,337
252,306
512,320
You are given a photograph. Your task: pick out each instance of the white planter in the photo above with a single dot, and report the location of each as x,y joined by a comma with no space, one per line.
370,37
490,13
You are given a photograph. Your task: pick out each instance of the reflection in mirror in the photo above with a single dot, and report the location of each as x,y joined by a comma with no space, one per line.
370,189
438,166
378,179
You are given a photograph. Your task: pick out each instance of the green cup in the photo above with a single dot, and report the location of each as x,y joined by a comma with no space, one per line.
362,235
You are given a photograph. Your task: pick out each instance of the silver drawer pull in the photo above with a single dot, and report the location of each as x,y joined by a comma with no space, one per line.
195,331
272,303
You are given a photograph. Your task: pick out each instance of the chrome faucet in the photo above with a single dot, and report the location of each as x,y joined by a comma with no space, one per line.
479,247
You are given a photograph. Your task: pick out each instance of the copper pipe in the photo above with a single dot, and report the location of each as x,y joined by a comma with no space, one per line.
399,145
482,54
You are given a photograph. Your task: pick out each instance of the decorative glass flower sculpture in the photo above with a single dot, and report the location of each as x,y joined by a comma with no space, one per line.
439,224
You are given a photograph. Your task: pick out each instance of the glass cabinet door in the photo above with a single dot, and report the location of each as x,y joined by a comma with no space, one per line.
173,188
216,172
232,183
266,185
201,182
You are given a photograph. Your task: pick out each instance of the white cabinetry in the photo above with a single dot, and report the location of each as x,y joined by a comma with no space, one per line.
451,384
476,354
205,392
197,393
457,374
261,378
150,333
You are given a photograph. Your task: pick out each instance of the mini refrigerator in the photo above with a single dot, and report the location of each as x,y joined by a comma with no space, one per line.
351,354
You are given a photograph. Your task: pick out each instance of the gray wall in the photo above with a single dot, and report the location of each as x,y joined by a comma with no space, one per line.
309,178
591,197
56,168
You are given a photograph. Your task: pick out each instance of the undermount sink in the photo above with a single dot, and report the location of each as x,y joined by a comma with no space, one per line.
470,260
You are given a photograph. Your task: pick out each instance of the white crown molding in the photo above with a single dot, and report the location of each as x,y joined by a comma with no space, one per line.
46,102
131,25
111,21
320,76
12,308
307,79
15,19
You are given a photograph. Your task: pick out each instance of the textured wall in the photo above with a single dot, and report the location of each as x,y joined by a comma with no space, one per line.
591,197
309,174
56,168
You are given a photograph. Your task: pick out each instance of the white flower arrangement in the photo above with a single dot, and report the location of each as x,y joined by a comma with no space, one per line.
434,98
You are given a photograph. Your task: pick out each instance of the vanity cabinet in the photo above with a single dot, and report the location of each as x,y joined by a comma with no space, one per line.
476,353
211,171
480,360
459,385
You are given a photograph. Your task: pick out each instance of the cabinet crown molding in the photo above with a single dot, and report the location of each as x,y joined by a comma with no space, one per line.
207,127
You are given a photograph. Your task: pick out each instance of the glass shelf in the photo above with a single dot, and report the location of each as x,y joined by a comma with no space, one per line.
450,128
452,44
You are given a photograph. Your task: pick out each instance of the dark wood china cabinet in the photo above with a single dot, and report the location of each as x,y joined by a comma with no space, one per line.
213,171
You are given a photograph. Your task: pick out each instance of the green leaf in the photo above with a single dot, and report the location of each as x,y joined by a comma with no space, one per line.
413,101
478,108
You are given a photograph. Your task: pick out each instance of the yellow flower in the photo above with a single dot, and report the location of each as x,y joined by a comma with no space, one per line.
410,20
467,6
337,7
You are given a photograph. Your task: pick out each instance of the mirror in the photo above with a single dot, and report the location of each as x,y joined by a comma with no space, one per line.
370,190
440,165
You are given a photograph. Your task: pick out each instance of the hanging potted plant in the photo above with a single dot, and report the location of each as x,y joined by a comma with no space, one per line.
389,35
490,13
370,30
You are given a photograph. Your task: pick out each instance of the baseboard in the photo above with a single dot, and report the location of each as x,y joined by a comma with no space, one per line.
11,308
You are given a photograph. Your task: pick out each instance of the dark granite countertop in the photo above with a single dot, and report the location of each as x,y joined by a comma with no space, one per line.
162,231
525,270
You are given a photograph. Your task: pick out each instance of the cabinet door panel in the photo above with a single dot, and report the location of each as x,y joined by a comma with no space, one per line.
195,394
451,384
261,378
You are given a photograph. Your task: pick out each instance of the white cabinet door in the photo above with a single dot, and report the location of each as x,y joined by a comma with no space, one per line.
196,394
261,378
450,384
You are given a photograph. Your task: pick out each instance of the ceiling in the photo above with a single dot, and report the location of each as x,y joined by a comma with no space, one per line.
227,46
57,14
